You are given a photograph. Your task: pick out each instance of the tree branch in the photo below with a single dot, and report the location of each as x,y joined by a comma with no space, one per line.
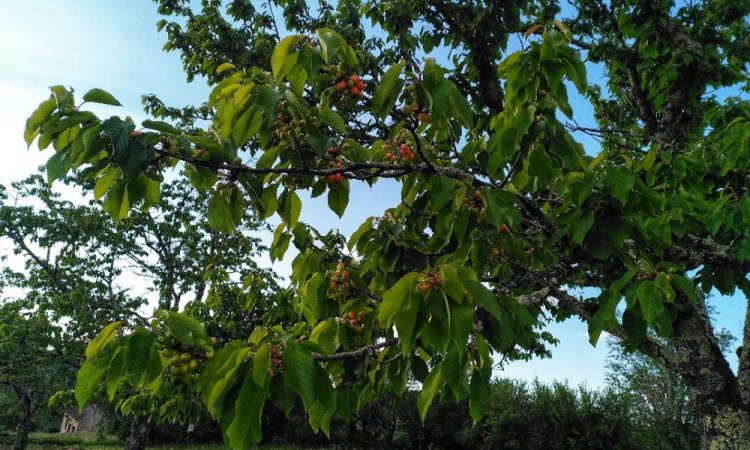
358,353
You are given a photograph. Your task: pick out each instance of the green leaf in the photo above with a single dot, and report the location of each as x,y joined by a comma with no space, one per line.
158,125
38,118
387,91
332,119
326,335
621,182
281,53
686,285
312,293
100,96
292,209
57,166
581,227
395,298
484,298
137,351
338,197
299,371
153,369
223,359
405,322
106,335
105,182
220,215
479,394
430,388
650,299
280,242
223,67
116,202
355,237
89,375
266,99
114,373
453,370
185,329
460,108
245,429
603,317
261,363
330,43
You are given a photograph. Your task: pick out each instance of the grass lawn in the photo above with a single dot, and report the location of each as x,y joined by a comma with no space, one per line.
82,441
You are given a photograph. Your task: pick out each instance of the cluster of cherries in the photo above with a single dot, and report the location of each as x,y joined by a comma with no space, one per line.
336,178
340,277
277,358
431,280
475,200
404,151
354,85
285,125
355,320
185,363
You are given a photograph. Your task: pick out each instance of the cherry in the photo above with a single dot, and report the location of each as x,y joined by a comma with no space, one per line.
356,92
504,228
341,85
334,178
355,78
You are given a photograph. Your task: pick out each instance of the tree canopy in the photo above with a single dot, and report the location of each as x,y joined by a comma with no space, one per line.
504,221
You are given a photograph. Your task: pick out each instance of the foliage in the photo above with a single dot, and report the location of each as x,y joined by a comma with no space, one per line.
77,266
31,366
501,212
660,400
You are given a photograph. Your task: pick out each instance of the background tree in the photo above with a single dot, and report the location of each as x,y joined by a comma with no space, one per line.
32,368
501,213
80,271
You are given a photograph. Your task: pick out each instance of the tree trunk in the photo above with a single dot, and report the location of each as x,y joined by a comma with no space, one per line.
138,435
729,430
24,425
27,405
698,359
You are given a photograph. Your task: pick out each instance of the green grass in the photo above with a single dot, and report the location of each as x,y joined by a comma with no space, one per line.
84,441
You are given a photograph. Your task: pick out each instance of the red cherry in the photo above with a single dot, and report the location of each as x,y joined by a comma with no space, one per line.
361,85
341,85
354,77
404,150
389,156
504,228
356,92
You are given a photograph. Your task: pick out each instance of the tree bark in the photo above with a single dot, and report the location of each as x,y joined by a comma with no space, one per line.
727,430
138,435
24,424
725,417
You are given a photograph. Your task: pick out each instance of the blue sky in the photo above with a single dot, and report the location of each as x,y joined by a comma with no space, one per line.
115,46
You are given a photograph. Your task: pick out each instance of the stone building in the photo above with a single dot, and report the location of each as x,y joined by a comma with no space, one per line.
85,422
